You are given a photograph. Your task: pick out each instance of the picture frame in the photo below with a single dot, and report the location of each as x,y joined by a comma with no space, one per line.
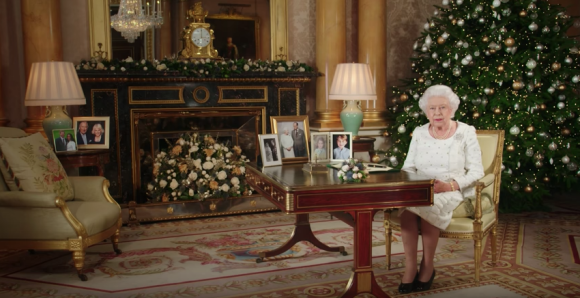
294,135
269,150
319,147
96,134
244,31
334,136
64,140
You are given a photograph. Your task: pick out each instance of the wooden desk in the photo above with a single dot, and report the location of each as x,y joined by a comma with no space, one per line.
85,158
297,192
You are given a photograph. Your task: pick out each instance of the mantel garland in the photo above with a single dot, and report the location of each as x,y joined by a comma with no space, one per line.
200,68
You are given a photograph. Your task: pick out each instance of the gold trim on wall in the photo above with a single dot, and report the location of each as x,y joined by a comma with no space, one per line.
201,100
297,99
179,100
100,27
278,29
117,130
221,98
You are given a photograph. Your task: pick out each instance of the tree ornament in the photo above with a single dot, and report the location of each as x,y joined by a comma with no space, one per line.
440,40
402,129
460,22
528,189
565,159
562,87
556,28
568,60
517,85
500,68
516,106
393,159
510,42
546,30
572,167
476,115
511,148
533,26
546,179
386,134
551,90
561,105
531,64
575,79
556,66
497,111
562,97
530,129
404,97
421,80
523,14
454,21
540,47
514,130
539,164
529,74
456,71
516,187
485,39
565,131
529,152
553,146
459,2
445,2
496,3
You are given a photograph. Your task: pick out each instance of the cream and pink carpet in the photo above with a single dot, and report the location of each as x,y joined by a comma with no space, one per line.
215,257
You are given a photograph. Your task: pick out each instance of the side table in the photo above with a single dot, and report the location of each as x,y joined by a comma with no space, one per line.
85,158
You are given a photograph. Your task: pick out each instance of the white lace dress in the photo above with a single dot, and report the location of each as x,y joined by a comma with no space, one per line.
456,158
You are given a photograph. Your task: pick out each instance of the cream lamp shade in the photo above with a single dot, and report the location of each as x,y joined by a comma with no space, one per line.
54,84
352,82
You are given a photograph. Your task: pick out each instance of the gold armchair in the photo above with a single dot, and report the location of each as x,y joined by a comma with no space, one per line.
487,194
45,221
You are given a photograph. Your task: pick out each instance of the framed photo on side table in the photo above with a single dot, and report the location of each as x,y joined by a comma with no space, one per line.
64,140
294,134
92,132
341,144
319,147
269,150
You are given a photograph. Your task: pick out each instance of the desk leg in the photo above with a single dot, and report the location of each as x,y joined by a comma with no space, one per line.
302,232
362,279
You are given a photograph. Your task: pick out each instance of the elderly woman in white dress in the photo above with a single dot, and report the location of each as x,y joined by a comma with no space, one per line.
287,144
448,152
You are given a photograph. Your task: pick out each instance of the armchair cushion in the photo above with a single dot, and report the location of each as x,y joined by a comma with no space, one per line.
33,166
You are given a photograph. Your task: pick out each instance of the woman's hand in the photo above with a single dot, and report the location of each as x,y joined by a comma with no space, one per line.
441,186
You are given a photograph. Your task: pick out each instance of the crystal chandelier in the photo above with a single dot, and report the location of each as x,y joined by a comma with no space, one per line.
131,20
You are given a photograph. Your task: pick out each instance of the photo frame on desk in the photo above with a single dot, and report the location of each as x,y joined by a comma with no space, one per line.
64,140
319,147
294,135
92,132
343,150
269,150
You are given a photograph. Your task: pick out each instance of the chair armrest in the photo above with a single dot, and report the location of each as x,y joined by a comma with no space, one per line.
28,199
89,188
487,179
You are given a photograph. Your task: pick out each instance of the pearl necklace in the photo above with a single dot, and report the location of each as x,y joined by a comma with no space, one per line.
437,136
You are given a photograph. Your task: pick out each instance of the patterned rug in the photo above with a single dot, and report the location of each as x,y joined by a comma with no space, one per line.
215,257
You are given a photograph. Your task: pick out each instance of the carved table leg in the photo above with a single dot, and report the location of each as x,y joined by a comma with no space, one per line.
302,232
362,279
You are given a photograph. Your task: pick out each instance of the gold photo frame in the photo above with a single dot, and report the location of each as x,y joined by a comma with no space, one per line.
96,134
294,135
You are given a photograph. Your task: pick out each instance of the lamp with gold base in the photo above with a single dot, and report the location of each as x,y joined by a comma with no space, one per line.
54,84
352,83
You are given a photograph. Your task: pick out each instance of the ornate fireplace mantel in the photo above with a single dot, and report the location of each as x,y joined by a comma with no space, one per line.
144,109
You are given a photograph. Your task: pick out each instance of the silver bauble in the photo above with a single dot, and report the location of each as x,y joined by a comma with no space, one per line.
561,97
516,106
495,3
539,163
476,101
540,47
572,166
487,91
556,28
445,64
529,152
546,30
460,22
553,146
568,60
479,8
575,79
484,102
514,130
531,64
456,71
481,20
434,56
393,159
533,26
445,2
551,90
402,129
516,187
561,105
530,73
459,2
565,159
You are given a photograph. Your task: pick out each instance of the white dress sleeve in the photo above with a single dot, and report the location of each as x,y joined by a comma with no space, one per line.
473,163
409,165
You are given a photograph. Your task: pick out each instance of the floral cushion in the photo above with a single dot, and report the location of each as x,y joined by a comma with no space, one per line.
33,166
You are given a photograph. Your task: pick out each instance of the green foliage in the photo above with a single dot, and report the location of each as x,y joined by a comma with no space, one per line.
514,68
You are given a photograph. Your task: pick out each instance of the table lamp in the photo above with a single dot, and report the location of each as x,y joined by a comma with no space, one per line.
54,84
352,82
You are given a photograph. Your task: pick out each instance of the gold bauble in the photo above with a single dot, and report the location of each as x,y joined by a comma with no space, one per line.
510,42
542,107
562,87
500,68
476,115
538,85
375,158
517,85
546,179
565,131
485,39
386,134
530,129
454,21
421,80
497,111
492,51
404,97
523,13
440,40
491,91
528,189
556,66
394,100
511,148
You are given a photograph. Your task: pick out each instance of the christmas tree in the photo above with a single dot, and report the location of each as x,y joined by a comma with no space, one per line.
514,69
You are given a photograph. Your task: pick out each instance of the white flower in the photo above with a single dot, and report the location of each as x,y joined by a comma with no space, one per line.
207,60
345,168
162,183
222,175
174,194
207,72
242,170
174,174
168,171
181,141
355,169
195,148
289,63
269,69
226,149
280,68
197,163
208,165
366,171
216,146
112,68
145,68
86,67
234,67
191,192
246,67
229,155
150,187
301,69
174,184
225,187
129,59
143,61
169,177
235,181
78,67
171,162
163,153
100,66
192,176
185,68
161,67
340,174
203,172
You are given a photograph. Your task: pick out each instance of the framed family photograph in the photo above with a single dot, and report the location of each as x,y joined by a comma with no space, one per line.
294,135
319,147
269,150
64,140
341,144
92,132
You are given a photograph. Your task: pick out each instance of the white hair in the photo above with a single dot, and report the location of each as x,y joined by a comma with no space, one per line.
440,91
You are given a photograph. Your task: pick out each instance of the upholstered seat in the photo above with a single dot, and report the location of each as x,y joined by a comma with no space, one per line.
483,221
45,221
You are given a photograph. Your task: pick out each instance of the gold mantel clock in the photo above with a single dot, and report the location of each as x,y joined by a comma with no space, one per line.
197,36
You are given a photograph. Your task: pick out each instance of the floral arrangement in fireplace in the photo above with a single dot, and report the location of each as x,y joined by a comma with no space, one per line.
196,168
201,68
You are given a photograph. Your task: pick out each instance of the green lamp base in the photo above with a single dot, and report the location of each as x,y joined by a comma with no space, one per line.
351,117
56,118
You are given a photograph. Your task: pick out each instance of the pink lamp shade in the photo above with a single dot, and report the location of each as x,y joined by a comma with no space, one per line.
53,83
353,81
